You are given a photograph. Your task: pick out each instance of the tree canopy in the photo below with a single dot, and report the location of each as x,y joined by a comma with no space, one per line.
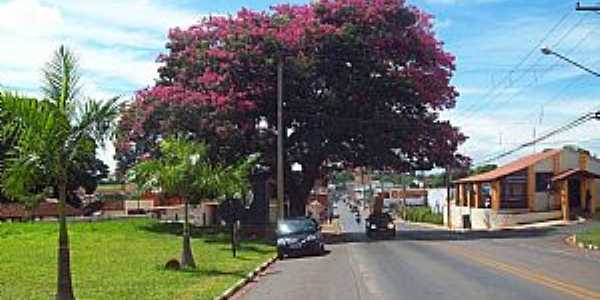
363,84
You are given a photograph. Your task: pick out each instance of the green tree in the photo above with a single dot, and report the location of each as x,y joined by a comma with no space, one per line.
48,134
184,170
482,169
234,186
364,85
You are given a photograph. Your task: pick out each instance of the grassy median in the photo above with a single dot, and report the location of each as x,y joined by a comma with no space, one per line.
590,236
120,260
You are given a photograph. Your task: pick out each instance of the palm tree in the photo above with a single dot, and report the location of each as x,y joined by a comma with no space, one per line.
184,170
46,135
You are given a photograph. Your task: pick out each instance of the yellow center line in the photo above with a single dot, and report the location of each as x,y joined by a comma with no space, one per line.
565,287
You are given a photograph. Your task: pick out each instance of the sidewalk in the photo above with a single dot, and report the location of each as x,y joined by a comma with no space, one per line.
537,225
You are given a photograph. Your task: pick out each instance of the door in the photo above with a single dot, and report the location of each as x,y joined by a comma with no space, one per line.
574,193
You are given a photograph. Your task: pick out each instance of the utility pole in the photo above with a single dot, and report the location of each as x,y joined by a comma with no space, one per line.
448,181
579,7
280,133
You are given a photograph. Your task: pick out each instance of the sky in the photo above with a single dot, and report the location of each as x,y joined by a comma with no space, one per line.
508,88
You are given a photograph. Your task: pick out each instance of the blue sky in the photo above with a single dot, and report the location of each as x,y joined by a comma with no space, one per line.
499,106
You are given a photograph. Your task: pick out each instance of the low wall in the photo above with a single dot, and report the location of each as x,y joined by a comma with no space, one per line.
486,218
143,204
200,215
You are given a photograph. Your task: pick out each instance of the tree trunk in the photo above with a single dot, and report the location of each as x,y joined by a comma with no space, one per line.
187,258
64,288
233,241
299,191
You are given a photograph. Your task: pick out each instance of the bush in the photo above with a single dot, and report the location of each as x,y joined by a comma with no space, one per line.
421,214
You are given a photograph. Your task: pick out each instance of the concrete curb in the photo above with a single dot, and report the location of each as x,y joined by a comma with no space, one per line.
242,282
572,241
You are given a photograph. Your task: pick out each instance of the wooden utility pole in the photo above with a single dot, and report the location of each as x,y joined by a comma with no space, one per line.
280,133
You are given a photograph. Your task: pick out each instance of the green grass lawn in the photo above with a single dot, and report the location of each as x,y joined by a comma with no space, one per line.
120,260
591,236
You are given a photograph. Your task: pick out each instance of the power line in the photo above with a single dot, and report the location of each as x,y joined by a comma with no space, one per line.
507,77
575,123
531,83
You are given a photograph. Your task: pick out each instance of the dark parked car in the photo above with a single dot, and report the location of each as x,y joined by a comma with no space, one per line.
299,236
381,223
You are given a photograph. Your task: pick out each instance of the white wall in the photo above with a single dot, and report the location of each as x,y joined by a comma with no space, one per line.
143,204
485,218
197,216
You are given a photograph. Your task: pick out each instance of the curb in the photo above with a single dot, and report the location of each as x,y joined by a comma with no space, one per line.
572,241
242,282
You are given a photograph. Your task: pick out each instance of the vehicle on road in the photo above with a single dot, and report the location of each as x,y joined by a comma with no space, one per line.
299,236
380,224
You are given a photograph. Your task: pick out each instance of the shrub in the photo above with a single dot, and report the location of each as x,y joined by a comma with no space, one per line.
421,214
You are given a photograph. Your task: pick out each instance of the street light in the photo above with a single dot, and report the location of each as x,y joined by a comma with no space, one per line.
548,51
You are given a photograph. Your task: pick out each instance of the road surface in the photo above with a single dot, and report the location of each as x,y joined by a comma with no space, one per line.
433,264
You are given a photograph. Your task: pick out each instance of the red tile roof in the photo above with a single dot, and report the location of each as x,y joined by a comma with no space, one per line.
575,172
12,210
44,209
511,167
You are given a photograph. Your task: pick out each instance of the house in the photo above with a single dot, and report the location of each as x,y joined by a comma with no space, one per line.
553,184
46,209
409,197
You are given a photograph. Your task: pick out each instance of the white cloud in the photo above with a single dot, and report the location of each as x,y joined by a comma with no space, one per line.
29,18
131,14
116,41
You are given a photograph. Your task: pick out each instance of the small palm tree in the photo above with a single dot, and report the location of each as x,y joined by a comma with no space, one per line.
46,135
184,170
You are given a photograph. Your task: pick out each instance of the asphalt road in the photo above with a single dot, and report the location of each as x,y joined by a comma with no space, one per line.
432,264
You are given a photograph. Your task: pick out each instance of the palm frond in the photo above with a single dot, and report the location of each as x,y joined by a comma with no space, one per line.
20,174
61,79
96,120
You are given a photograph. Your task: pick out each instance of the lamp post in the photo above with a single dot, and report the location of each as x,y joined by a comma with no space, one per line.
548,51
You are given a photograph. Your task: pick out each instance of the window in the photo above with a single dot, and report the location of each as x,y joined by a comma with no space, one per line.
543,181
486,196
514,191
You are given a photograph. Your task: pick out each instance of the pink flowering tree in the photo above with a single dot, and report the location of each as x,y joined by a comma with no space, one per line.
364,83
